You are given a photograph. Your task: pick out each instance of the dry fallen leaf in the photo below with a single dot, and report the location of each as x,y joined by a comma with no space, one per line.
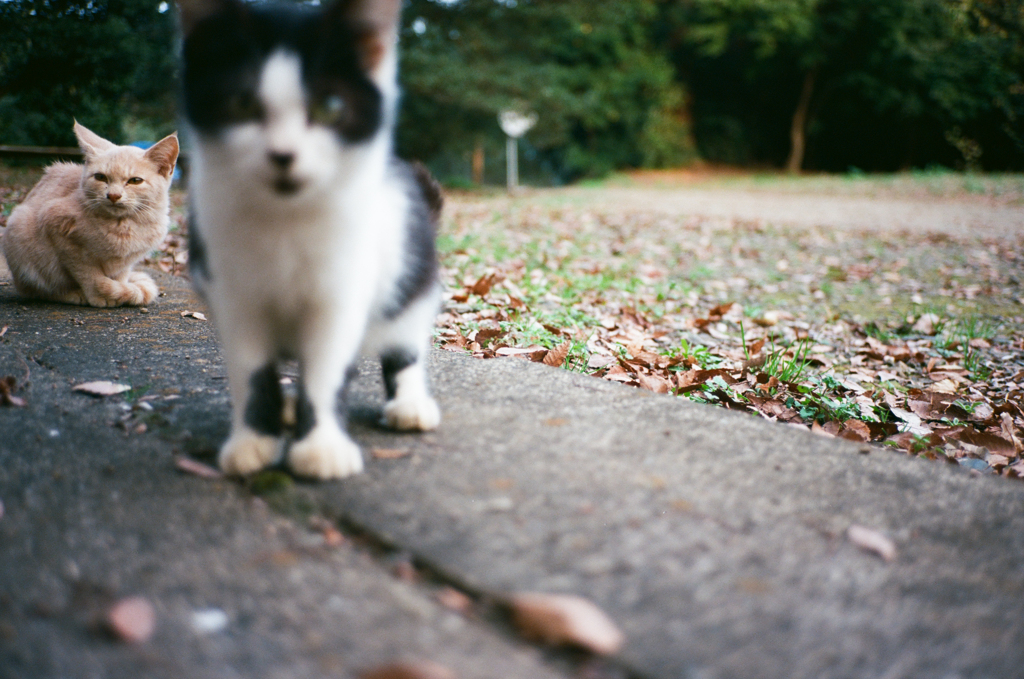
333,537
565,619
556,357
653,383
102,388
454,600
7,398
872,541
856,430
389,453
198,315
484,284
926,324
187,464
944,386
1008,431
413,669
132,619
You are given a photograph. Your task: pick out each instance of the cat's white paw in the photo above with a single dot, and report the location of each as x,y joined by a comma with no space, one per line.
146,286
110,292
246,453
74,297
412,413
325,453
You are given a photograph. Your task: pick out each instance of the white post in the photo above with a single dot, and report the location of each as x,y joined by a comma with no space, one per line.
514,124
512,163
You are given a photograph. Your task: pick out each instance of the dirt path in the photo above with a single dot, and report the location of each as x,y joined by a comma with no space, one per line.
967,217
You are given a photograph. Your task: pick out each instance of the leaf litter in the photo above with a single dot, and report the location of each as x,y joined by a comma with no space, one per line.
908,341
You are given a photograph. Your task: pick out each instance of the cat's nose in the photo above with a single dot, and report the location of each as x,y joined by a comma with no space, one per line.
281,159
113,196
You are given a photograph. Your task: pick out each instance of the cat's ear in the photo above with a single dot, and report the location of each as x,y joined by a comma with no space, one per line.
164,154
91,143
376,22
193,12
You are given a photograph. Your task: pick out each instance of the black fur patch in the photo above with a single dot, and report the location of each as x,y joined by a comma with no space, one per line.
393,362
420,254
305,415
305,418
266,402
198,266
225,52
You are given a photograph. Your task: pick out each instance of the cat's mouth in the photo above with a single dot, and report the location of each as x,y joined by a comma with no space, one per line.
287,186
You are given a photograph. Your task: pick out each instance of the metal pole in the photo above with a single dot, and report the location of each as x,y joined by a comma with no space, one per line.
511,164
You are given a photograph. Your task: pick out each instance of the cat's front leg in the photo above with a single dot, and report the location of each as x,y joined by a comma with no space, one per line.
322,449
146,285
410,406
101,291
257,416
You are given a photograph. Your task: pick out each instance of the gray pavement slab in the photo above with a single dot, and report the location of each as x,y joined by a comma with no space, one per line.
714,539
94,510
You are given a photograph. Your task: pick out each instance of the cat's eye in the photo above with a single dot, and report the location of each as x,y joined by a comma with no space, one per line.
328,111
135,180
100,177
244,106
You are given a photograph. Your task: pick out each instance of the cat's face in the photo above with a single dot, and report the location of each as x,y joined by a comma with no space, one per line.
285,97
125,181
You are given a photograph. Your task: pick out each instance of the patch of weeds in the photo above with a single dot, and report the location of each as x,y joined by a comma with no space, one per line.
975,365
956,337
448,244
716,384
822,408
135,394
279,490
788,369
967,406
694,353
919,444
269,482
835,274
703,272
976,327
578,358
879,333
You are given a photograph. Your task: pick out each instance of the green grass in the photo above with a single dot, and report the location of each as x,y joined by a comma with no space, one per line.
790,370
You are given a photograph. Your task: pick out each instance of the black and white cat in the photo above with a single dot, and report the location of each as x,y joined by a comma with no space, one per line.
309,239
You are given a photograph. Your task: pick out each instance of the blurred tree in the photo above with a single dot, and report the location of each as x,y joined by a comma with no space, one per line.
108,63
867,73
606,99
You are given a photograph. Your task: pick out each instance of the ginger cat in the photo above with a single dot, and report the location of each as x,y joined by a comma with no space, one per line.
82,228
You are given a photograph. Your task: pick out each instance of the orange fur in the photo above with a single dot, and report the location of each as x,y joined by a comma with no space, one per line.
82,228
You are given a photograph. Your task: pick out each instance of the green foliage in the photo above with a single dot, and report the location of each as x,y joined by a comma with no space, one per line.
616,84
788,369
605,97
942,81
108,63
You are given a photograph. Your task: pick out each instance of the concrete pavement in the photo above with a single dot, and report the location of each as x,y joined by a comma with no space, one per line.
715,540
